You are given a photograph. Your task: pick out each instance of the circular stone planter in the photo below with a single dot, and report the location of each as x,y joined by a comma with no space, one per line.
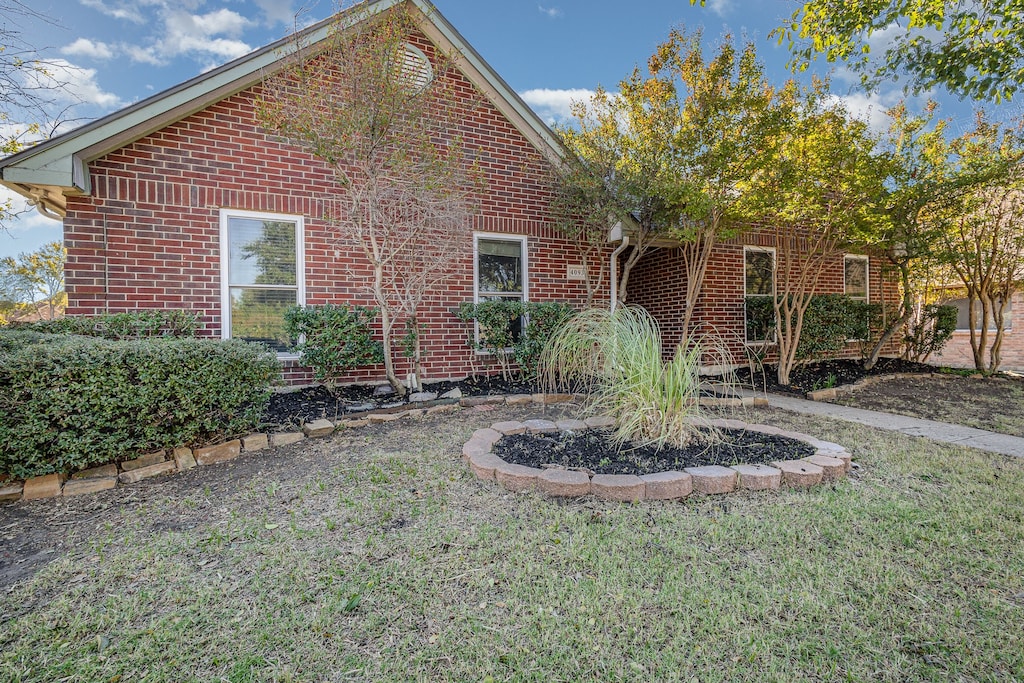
829,463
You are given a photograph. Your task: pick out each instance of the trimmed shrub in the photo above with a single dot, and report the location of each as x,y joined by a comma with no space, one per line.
140,324
831,321
928,333
542,319
69,402
332,339
503,334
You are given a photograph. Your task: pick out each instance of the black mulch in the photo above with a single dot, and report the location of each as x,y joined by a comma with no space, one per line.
291,409
826,374
594,450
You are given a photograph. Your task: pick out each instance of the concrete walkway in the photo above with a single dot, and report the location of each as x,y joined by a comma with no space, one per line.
938,431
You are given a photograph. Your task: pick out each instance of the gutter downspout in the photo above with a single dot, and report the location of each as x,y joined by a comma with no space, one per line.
615,271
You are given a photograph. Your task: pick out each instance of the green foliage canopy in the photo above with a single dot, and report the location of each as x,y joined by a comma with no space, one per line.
973,49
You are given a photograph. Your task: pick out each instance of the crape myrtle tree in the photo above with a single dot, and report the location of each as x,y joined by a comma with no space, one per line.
622,166
819,177
583,210
983,236
384,117
975,49
664,154
924,179
726,121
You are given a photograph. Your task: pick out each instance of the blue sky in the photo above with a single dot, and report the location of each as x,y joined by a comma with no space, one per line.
115,52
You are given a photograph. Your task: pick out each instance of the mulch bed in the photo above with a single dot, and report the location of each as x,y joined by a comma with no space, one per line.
826,374
291,409
594,450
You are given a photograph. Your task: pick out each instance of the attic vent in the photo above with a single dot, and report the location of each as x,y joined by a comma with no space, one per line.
414,70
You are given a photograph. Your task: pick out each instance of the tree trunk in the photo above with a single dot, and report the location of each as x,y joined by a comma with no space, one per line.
896,325
386,323
696,255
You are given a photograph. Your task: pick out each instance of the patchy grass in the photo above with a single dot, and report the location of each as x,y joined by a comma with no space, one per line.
377,556
993,404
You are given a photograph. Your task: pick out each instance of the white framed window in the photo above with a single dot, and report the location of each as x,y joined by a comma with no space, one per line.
855,277
500,271
262,275
758,294
963,315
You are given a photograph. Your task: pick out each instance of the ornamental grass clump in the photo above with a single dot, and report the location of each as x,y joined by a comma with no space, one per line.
614,359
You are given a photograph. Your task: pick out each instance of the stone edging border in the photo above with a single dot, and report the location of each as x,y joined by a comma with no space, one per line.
829,463
181,459
834,392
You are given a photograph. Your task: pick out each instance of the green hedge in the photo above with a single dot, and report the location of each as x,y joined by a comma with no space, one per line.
140,324
69,402
830,323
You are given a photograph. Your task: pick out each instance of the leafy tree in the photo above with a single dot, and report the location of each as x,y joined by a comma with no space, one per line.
983,234
974,49
726,120
664,155
583,211
31,278
924,180
810,194
624,166
386,123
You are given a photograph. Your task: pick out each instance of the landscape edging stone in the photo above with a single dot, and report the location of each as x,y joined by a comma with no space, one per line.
51,485
709,480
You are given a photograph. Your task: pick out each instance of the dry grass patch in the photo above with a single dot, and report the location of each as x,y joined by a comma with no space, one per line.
376,555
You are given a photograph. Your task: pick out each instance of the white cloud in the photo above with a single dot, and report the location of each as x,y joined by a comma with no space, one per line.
554,105
869,108
83,47
277,12
720,7
197,35
73,84
121,9
551,12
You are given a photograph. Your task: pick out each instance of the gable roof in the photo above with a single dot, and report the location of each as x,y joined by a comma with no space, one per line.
49,171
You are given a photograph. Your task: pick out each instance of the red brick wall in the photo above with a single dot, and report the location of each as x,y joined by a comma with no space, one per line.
958,354
148,236
659,279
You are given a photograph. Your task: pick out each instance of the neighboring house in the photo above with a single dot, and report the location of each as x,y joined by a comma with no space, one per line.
958,354
156,199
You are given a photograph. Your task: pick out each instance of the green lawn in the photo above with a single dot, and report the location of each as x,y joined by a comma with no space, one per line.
375,555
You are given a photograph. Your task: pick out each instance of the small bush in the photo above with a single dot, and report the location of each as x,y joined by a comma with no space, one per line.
831,321
333,339
140,324
928,333
69,402
542,320
503,334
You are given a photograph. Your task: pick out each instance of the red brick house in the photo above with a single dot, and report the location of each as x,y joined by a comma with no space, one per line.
156,197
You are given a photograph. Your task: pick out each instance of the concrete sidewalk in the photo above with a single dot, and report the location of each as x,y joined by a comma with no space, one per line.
938,431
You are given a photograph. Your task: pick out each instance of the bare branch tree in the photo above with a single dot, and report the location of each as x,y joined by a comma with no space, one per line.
383,110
